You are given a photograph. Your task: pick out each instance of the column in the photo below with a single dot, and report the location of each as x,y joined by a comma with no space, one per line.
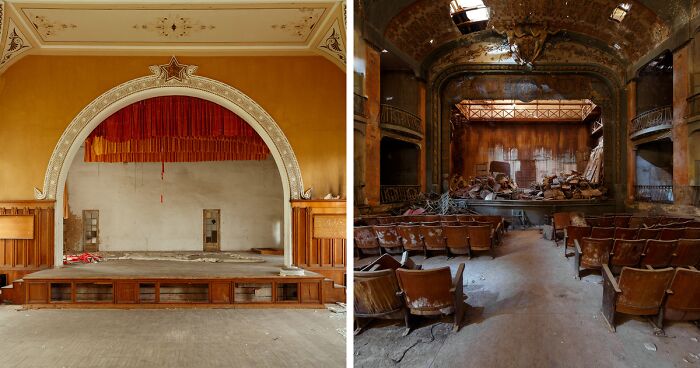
631,149
679,130
373,133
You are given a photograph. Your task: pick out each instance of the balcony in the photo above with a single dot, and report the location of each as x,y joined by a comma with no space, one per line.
654,193
652,121
360,105
398,193
402,121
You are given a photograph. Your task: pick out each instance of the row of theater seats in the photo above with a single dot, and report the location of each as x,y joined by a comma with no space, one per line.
390,289
639,221
451,236
669,294
404,219
593,253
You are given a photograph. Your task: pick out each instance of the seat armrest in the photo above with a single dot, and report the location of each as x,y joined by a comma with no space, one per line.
577,246
457,280
608,276
692,268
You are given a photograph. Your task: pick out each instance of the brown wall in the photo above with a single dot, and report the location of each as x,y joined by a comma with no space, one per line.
471,143
40,95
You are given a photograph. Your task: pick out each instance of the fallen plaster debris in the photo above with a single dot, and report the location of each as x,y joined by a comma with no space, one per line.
649,346
694,339
341,331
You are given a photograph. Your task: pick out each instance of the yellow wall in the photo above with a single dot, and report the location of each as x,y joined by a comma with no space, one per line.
40,95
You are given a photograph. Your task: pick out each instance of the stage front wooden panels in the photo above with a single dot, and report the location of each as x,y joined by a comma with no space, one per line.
319,237
26,237
268,292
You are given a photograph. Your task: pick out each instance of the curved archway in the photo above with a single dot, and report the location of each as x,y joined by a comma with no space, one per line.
170,79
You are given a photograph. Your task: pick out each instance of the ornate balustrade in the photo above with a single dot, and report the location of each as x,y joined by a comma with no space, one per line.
394,118
398,193
360,105
654,193
652,121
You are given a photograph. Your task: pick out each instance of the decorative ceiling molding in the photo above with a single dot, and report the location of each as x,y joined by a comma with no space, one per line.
218,28
526,41
332,45
174,26
15,44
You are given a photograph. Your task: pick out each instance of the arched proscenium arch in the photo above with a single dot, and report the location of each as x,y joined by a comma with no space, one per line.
163,84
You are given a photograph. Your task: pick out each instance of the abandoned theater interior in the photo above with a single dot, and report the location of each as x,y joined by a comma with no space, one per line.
526,183
172,183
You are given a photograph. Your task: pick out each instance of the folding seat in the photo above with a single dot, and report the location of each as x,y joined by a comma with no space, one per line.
376,295
411,238
658,253
448,218
671,234
683,301
626,253
414,219
621,221
625,233
366,241
691,233
388,238
370,221
433,238
496,221
450,223
433,292
607,222
591,254
651,221
482,238
594,221
648,234
573,233
431,218
434,223
638,292
457,238
560,220
687,253
636,221
464,218
602,232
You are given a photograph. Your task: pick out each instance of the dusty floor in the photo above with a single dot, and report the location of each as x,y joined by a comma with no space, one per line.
526,310
171,338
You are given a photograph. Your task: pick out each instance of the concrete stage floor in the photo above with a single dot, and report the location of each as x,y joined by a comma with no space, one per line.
129,268
171,338
526,310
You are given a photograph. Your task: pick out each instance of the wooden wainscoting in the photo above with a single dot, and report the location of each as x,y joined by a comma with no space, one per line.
26,237
319,237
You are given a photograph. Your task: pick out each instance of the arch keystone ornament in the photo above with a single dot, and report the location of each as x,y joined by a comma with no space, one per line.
168,79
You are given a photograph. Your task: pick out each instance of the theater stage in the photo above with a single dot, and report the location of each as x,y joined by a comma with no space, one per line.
154,281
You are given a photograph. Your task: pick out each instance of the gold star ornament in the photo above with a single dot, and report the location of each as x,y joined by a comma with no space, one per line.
173,70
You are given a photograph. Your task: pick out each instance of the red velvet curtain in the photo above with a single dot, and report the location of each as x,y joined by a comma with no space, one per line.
174,129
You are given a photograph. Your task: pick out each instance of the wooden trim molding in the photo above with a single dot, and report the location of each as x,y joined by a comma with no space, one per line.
22,255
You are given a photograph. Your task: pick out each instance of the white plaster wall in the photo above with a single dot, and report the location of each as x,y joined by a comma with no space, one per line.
249,194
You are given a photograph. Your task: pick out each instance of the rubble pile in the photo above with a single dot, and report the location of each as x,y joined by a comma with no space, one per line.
565,186
500,186
487,187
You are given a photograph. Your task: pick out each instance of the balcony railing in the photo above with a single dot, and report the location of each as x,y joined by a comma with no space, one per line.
652,121
397,119
654,193
398,193
694,105
360,105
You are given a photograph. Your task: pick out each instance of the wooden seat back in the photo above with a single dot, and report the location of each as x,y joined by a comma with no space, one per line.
388,238
687,253
627,233
433,237
432,223
450,223
595,252
621,221
636,221
658,253
431,218
627,252
480,237
448,218
385,220
464,218
594,221
671,233
375,293
561,220
683,303
642,290
645,233
410,237
427,292
365,239
651,221
602,232
457,238
576,233
691,233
